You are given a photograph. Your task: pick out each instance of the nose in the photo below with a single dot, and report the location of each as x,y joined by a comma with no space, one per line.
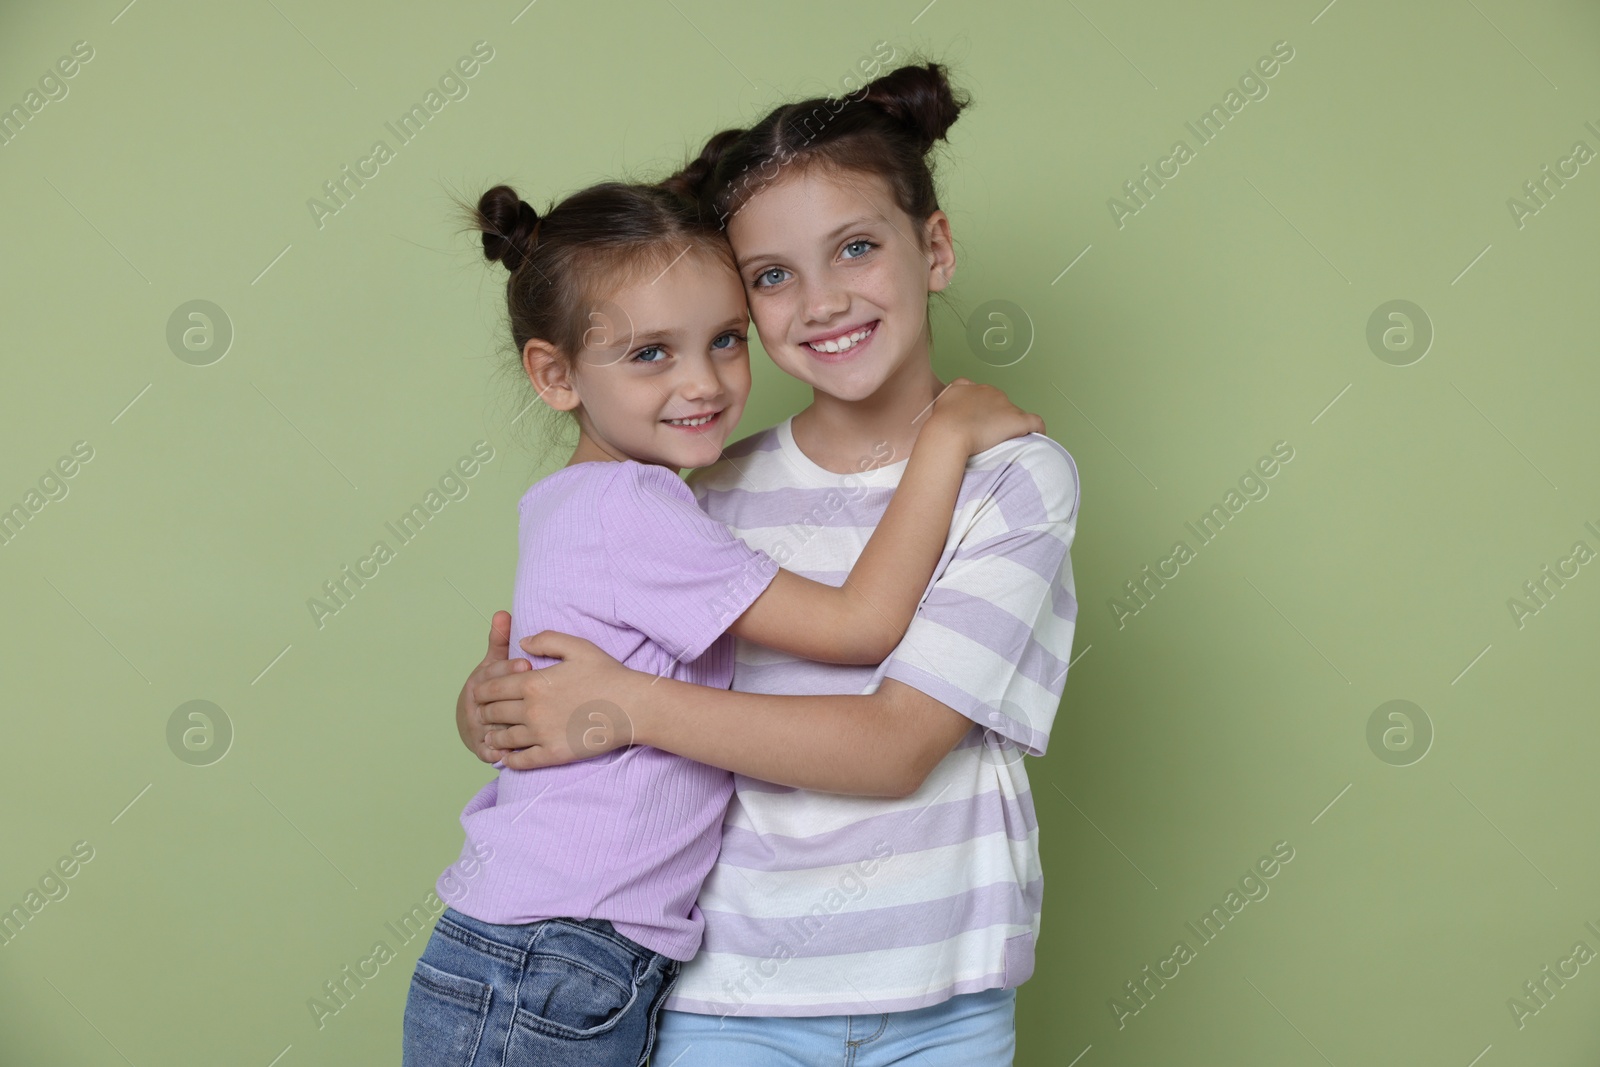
698,380
824,300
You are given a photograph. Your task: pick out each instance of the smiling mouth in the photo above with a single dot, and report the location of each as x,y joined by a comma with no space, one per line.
833,346
694,422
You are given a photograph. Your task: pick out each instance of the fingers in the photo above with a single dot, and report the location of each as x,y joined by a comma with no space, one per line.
493,666
528,759
985,403
506,711
499,668
553,644
499,636
510,738
508,687
1029,423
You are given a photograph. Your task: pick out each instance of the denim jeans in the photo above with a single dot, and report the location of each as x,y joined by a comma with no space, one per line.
557,993
968,1030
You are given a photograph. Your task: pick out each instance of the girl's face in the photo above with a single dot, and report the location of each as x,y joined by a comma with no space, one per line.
665,372
838,278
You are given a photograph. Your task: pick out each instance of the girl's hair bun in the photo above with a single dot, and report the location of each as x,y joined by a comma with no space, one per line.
693,183
887,128
919,98
507,222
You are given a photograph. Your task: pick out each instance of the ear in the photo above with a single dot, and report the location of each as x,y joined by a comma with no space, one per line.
550,374
941,254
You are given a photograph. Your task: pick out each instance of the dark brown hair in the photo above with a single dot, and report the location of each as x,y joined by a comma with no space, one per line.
564,261
886,127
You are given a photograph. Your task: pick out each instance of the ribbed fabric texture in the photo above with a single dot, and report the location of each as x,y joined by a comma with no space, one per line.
619,554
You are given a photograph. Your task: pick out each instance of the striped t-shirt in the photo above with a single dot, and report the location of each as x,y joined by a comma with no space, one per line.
821,904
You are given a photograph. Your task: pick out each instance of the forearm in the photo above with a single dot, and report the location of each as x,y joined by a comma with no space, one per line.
863,745
881,593
862,620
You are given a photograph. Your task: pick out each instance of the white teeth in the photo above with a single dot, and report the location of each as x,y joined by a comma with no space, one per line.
840,344
701,421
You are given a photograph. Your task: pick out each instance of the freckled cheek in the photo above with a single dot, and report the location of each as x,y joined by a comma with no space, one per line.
907,285
872,289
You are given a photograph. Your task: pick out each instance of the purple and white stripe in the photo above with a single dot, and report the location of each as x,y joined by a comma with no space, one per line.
822,904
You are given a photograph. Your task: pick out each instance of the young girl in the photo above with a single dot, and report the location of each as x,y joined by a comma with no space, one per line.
566,930
865,930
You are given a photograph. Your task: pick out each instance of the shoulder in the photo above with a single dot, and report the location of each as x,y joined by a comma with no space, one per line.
651,511
649,476
641,489
1035,479
602,478
612,492
563,487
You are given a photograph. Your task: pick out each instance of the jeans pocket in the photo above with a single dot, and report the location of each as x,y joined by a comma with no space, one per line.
445,1017
571,998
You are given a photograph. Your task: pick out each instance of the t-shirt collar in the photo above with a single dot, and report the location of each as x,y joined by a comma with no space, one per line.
888,474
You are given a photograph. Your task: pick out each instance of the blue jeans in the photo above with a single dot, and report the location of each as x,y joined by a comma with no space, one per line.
558,993
968,1030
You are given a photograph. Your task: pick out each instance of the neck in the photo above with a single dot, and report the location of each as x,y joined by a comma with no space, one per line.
591,449
846,436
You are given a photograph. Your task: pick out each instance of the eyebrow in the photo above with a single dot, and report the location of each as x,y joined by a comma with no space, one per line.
669,333
838,232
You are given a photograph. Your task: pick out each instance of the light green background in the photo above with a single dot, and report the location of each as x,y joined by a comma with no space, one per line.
1224,317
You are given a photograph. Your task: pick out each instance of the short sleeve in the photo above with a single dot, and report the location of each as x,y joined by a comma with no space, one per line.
680,577
993,637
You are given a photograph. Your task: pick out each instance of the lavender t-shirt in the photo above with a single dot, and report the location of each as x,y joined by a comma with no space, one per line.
620,554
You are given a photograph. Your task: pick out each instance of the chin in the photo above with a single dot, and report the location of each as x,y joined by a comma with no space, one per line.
854,385
695,457
696,462
849,381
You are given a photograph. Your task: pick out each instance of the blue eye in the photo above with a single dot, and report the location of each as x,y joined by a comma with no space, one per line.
730,337
638,357
765,279
863,244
